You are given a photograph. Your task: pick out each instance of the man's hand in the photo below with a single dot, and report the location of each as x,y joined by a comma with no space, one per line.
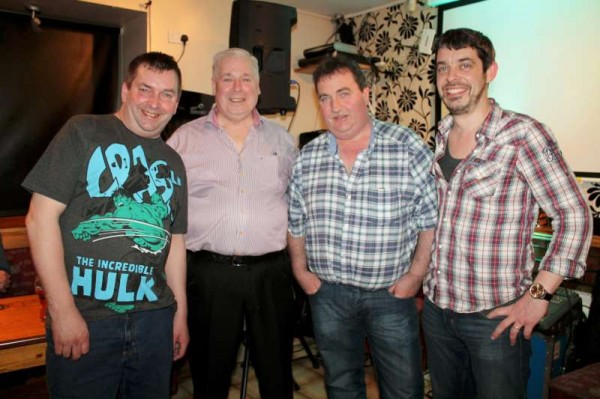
181,336
4,280
309,281
71,335
407,286
523,314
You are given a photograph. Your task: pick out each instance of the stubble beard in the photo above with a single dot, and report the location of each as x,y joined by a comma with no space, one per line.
464,109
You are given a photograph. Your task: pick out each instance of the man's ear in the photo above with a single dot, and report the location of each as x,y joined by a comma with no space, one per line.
491,72
365,93
124,92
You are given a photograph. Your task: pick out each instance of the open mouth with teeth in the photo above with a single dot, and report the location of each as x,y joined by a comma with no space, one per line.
151,115
452,93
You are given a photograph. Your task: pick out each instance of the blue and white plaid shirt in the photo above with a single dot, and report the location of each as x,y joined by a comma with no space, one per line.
361,228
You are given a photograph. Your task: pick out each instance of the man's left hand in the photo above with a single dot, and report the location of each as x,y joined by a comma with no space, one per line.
406,286
523,314
181,337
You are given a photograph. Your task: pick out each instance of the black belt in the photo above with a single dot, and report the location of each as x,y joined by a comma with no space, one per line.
236,260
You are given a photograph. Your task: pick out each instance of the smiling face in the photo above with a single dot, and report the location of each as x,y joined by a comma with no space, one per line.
149,102
236,89
461,81
344,105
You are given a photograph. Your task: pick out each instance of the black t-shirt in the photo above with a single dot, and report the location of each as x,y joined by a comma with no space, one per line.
448,164
125,196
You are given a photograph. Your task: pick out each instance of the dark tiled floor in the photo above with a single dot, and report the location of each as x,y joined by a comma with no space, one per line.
31,384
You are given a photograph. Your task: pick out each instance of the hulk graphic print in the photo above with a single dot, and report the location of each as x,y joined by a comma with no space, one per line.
140,222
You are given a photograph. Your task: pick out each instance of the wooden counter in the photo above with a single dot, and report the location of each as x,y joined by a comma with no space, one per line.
22,334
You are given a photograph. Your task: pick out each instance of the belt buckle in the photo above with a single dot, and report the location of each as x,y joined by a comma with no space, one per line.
236,261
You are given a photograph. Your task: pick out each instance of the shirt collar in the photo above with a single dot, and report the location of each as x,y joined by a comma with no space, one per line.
487,127
332,146
213,120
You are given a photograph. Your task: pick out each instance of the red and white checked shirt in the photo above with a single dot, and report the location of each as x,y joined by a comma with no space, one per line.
482,255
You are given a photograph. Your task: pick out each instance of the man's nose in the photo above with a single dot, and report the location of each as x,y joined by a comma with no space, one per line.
335,104
154,100
451,75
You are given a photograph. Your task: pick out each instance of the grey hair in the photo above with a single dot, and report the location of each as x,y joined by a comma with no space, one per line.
235,52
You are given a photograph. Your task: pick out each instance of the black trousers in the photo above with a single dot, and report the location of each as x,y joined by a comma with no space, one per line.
220,298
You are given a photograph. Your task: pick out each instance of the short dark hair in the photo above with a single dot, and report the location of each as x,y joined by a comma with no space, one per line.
339,63
153,60
456,39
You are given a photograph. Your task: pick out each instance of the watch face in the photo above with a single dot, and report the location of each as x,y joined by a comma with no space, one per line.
537,291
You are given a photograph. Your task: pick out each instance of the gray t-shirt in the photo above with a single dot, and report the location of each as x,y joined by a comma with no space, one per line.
125,196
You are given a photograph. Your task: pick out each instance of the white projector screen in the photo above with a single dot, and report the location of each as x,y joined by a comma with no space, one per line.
548,53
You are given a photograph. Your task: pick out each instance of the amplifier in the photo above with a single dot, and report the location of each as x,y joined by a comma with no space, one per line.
551,340
562,302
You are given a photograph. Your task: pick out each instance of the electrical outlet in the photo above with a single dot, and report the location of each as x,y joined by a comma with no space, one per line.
426,42
174,36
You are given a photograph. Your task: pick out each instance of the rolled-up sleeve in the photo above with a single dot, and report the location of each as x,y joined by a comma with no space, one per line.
556,191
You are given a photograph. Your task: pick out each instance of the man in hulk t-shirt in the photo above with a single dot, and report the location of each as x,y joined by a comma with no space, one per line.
106,224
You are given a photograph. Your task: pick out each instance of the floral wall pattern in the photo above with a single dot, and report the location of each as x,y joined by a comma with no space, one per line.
590,186
404,93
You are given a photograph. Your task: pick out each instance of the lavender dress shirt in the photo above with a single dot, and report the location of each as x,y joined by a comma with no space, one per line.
237,201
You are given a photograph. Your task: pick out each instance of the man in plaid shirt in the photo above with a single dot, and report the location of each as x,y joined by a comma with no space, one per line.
362,210
494,170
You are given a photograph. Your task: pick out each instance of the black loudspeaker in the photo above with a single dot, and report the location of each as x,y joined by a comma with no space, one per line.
191,106
265,30
307,137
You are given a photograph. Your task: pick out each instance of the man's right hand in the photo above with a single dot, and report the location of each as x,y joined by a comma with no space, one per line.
309,282
71,335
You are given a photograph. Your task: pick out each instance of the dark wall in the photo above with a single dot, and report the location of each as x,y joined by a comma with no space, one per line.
46,77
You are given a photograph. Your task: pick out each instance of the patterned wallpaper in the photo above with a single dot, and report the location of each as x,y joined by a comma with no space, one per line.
404,93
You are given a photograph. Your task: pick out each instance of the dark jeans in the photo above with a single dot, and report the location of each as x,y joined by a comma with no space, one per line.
464,362
220,298
343,316
130,354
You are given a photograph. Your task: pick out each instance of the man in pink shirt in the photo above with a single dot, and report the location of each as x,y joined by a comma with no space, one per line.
238,164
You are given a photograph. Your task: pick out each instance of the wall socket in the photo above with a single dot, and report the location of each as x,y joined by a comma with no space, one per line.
174,36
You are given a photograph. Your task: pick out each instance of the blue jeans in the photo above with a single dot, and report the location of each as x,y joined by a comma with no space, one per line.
464,362
130,354
342,317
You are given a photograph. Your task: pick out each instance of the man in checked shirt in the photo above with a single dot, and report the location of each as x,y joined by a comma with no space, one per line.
494,170
362,212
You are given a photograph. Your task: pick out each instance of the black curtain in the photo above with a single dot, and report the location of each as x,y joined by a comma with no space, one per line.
46,76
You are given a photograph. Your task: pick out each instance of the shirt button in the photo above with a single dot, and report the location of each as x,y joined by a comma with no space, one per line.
348,197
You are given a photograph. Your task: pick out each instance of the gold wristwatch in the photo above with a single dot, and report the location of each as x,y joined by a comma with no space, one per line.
537,291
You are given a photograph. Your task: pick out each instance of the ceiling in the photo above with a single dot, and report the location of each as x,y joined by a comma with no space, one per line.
77,10
72,10
333,7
